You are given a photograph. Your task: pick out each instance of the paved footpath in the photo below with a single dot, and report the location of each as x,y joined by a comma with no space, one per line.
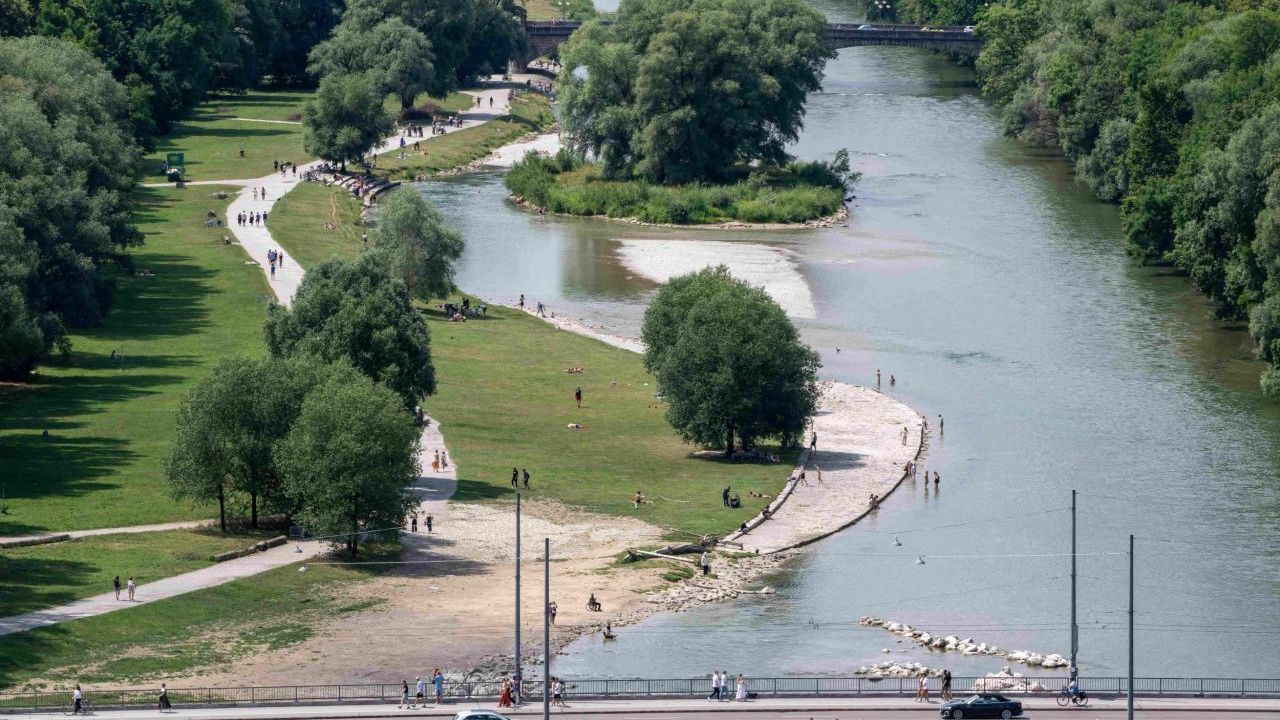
791,708
74,534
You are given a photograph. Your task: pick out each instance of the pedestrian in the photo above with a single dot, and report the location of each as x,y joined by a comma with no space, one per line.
877,378
813,442
940,423
429,520
553,609
724,495
490,101
76,698
273,271
435,462
116,583
936,478
504,700
802,478
163,701
524,476
515,479
705,562
437,679
515,688
557,692
404,694
946,685
904,435
577,396
255,193
922,689
444,458
818,470
294,169
715,685
263,193
414,525
130,586
521,301
741,694
264,222
892,381
421,688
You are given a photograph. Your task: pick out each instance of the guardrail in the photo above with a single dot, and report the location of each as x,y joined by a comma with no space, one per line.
607,688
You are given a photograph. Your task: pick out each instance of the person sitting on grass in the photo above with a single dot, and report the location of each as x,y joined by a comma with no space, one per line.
637,498
593,604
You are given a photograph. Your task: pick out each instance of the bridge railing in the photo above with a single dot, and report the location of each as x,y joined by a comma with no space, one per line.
609,688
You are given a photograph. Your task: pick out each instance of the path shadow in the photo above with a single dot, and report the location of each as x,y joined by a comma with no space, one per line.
831,461
472,490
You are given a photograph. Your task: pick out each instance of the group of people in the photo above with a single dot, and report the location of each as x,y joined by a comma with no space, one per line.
275,256
724,687
893,381
284,167
78,700
413,522
517,476
420,687
460,312
922,687
251,218
730,498
440,461
130,587
259,193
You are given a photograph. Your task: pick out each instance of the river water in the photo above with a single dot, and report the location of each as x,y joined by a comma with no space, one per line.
997,292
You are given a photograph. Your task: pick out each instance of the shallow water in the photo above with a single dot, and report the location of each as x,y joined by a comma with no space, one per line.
998,293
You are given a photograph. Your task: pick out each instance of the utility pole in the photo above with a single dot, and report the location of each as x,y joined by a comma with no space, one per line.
1130,714
1075,629
518,672
546,629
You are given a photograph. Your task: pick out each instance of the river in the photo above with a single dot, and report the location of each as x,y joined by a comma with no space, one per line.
997,292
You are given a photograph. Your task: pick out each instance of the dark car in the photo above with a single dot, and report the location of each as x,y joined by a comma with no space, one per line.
982,705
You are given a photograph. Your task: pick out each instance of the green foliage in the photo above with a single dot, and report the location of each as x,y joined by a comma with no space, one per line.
349,458
729,362
345,119
392,55
302,25
66,165
581,10
678,91
352,311
421,250
792,194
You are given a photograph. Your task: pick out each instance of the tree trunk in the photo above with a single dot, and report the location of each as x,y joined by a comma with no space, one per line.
355,533
222,509
253,510
728,450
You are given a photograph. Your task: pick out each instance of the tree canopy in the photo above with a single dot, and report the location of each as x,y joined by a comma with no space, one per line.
391,54
352,311
66,168
420,249
729,362
349,458
684,90
345,119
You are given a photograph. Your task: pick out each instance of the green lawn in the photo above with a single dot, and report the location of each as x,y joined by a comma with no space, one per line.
203,629
212,137
452,103
529,113
110,421
504,400
41,576
298,223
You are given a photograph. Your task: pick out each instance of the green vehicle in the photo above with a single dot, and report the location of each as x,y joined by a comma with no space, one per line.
175,166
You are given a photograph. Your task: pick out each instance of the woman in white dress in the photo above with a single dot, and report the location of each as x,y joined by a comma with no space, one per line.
741,695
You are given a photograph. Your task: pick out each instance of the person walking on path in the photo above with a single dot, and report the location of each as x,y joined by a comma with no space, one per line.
163,701
577,396
131,587
802,480
940,423
76,700
515,479
116,583
922,689
437,679
813,442
715,685
741,694
414,525
877,379
705,562
551,612
404,694
429,524
444,458
421,688
435,463
524,476
557,692
818,470
946,685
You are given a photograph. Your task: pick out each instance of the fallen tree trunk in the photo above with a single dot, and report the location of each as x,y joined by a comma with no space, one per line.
637,555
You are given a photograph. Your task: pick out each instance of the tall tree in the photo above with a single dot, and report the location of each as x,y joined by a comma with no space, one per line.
303,25
349,459
345,119
421,250
391,53
729,362
355,311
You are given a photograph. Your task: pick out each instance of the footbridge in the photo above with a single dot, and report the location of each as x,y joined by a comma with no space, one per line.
545,36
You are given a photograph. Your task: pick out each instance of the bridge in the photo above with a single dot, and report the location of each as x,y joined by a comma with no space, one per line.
545,36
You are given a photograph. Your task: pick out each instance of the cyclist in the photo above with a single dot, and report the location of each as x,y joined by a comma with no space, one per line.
77,700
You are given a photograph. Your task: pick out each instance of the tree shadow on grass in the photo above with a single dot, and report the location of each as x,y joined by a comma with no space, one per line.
170,303
473,490
25,583
66,467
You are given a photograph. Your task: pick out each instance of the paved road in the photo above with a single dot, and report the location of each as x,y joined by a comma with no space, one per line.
782,709
73,534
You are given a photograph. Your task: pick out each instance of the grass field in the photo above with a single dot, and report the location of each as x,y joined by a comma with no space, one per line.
529,113
201,629
213,137
298,223
504,400
110,421
45,575
452,103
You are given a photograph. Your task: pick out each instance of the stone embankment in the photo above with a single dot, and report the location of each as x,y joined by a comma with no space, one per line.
964,646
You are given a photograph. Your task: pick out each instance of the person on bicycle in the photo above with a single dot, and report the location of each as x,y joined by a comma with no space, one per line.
77,700
1074,689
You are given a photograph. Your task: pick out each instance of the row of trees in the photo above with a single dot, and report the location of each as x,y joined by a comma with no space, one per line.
66,166
729,362
169,53
679,91
1169,107
319,430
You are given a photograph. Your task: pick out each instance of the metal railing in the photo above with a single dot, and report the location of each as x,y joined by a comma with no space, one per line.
607,688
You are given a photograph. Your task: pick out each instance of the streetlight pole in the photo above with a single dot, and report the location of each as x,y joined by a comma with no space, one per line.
546,629
1075,629
1130,698
518,587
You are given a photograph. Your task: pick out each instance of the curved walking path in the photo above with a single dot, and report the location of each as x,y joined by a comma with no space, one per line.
75,534
432,488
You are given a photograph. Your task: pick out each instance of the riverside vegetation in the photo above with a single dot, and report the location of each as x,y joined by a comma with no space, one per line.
1170,108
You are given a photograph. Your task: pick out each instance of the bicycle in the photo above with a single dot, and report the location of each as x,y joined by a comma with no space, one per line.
1079,699
86,708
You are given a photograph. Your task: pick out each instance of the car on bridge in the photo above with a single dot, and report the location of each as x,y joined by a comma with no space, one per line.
479,715
867,27
982,705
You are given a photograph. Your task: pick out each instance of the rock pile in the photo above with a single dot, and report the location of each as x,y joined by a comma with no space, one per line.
730,581
965,646
892,669
1006,681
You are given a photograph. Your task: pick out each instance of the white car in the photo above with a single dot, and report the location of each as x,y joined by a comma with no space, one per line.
479,715
866,27
968,28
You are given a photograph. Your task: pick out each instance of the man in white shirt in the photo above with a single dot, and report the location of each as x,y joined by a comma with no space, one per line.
716,683
76,698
